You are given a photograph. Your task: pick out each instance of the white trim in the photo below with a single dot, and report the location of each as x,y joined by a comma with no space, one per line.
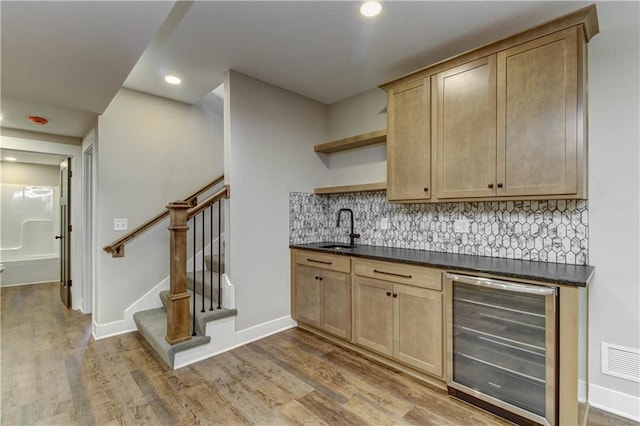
615,402
88,215
222,333
263,330
223,339
102,331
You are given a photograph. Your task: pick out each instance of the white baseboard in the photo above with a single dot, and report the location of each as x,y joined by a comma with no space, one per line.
222,333
224,338
102,331
615,402
263,330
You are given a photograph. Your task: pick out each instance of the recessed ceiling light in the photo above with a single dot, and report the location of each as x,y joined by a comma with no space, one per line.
371,9
172,79
10,158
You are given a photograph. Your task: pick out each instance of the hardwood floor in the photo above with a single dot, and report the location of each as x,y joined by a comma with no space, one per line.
53,373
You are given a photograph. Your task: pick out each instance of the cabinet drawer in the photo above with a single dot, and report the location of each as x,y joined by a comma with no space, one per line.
324,261
418,276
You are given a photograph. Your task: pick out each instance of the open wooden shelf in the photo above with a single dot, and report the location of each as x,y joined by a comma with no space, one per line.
366,187
358,141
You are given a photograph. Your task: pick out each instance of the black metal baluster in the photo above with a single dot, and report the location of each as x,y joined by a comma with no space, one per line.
193,313
219,253
203,293
211,258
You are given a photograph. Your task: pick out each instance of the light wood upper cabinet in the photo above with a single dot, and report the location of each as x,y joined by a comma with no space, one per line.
464,115
409,142
537,116
506,121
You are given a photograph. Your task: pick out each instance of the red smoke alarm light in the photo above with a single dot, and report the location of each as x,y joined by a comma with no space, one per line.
40,121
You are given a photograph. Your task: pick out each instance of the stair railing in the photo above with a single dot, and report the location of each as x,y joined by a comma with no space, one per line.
179,326
116,248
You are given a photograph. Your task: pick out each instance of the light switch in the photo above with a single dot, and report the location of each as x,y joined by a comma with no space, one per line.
461,225
120,224
384,223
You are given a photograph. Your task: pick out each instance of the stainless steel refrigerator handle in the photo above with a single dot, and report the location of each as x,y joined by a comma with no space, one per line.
503,285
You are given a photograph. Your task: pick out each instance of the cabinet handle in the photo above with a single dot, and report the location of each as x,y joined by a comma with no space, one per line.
500,185
490,185
395,294
388,293
426,189
392,274
320,278
319,261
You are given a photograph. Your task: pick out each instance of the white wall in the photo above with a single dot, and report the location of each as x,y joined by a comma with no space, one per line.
614,194
30,174
270,138
362,113
151,151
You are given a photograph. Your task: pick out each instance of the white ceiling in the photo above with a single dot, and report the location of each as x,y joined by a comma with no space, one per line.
66,60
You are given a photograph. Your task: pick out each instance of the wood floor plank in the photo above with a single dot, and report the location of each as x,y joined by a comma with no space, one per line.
296,414
53,373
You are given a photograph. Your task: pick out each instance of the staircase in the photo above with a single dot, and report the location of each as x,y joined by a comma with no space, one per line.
152,323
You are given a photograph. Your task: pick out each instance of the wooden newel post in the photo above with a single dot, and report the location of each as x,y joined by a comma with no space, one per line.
178,321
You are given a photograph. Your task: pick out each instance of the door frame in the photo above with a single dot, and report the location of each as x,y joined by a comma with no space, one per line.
88,214
64,146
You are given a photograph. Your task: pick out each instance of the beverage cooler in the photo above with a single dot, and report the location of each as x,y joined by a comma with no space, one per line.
502,347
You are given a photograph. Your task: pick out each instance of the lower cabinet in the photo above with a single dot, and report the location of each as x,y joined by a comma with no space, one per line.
391,308
400,321
322,299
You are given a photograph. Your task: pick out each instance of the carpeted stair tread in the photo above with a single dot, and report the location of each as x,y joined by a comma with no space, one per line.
212,263
207,284
152,325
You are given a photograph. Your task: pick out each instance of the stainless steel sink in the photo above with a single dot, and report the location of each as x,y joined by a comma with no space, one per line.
337,246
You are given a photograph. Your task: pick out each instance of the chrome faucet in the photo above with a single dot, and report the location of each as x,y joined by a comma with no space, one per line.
352,236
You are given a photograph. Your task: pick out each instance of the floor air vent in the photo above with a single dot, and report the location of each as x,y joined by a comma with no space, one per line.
621,362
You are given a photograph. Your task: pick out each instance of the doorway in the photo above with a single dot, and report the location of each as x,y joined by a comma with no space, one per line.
65,233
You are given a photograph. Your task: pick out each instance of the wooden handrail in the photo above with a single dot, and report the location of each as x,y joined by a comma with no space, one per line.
223,193
116,248
194,197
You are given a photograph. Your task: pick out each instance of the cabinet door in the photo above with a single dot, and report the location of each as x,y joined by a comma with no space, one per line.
307,295
408,142
336,304
537,116
464,111
374,315
418,328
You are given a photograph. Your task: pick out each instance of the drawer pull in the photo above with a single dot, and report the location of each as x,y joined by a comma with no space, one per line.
388,293
319,261
392,274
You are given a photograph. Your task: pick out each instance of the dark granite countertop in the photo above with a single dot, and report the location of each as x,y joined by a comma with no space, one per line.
557,273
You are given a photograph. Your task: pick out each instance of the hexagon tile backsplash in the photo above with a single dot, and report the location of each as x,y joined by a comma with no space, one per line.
550,231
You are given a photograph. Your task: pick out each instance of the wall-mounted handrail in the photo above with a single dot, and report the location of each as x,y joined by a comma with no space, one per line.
223,193
116,248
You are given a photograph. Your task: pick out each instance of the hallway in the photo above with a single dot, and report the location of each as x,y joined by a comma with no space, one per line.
53,373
